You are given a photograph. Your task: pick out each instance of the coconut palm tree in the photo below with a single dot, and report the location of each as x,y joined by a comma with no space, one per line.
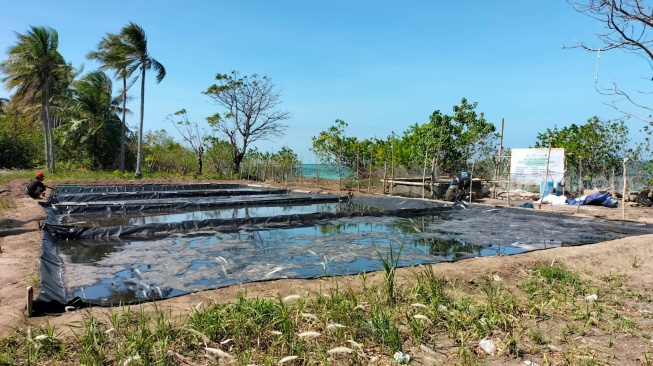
4,102
134,50
93,115
111,53
36,70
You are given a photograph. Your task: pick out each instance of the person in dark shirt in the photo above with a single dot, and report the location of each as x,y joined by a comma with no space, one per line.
36,188
458,187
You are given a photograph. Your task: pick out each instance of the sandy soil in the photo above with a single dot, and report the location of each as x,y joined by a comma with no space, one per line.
20,250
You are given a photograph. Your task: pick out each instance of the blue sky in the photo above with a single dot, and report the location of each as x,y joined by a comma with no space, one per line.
381,66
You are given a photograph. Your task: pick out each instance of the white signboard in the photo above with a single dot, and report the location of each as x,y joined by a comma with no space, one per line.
530,165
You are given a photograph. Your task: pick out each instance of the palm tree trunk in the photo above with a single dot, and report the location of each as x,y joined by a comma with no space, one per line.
49,127
139,158
51,132
122,126
46,136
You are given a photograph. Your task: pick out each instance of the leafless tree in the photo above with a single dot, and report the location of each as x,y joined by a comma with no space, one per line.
250,114
627,24
191,133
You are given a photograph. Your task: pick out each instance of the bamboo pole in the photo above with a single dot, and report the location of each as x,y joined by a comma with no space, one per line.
623,193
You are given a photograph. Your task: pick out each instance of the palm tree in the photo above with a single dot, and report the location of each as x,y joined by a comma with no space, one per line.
4,102
92,112
36,70
111,54
134,50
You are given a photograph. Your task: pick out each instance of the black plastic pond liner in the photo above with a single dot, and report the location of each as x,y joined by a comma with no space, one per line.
97,197
151,188
188,204
226,225
472,225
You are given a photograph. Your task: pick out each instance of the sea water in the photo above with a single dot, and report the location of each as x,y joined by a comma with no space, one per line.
326,171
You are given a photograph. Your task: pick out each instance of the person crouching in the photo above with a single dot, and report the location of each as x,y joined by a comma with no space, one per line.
36,188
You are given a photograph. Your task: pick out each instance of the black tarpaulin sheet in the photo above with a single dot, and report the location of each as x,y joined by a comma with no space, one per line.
151,188
126,264
97,197
188,203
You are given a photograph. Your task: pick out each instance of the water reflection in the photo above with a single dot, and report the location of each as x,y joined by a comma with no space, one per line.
116,270
138,218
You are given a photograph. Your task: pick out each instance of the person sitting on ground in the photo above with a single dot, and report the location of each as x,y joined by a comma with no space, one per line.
36,188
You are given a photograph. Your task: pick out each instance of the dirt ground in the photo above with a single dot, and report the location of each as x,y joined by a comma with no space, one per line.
20,250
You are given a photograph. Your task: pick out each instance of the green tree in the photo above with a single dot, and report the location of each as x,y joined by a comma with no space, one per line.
219,155
4,103
133,48
250,114
36,71
286,159
333,147
451,141
111,53
598,146
94,117
19,141
165,155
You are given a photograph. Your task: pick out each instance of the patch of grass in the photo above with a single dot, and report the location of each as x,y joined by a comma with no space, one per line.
535,335
636,262
445,315
390,262
6,204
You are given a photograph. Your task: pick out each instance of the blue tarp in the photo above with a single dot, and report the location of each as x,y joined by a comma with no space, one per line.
598,199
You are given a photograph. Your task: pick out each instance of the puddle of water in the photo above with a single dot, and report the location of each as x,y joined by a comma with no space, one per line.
136,218
110,272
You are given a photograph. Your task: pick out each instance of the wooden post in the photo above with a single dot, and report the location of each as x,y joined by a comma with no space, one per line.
546,176
497,170
385,173
426,159
30,300
508,191
358,153
369,178
623,193
580,182
317,172
392,167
